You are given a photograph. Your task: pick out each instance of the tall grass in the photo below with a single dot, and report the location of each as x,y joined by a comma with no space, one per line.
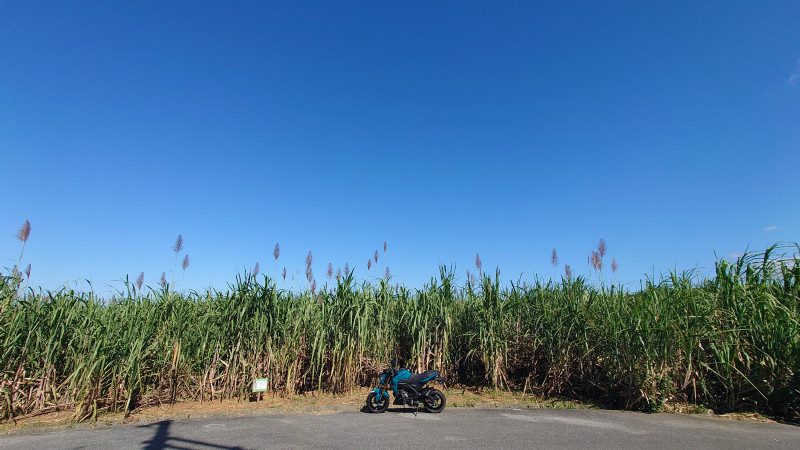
730,343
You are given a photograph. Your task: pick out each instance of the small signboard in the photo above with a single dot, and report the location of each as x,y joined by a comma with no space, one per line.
260,385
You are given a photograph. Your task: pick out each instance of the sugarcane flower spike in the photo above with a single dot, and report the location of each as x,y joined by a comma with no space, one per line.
24,232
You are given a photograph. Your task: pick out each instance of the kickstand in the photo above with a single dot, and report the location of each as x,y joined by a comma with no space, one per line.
416,410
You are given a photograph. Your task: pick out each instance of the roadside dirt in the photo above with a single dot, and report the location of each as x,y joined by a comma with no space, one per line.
312,403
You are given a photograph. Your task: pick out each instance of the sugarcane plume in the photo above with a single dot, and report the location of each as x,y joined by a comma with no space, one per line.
24,232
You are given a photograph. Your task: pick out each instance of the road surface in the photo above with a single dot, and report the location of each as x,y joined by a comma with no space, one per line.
454,428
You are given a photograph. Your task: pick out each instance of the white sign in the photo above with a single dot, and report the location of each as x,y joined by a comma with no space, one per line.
260,385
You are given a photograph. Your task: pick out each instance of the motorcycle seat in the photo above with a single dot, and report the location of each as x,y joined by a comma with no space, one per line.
418,377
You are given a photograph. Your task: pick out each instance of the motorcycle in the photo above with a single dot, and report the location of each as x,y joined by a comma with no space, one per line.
409,390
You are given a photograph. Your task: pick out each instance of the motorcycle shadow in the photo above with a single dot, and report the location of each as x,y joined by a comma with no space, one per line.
397,409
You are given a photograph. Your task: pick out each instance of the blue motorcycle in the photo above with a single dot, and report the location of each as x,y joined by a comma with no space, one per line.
408,389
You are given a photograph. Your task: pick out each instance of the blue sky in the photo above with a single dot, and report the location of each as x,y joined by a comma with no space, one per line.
670,129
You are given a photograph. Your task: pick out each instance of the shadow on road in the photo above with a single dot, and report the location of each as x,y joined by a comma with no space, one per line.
397,410
162,439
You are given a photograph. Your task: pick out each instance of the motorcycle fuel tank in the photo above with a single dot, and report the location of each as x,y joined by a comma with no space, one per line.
402,374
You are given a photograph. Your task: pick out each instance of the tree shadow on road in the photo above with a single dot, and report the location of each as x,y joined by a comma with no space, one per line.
162,439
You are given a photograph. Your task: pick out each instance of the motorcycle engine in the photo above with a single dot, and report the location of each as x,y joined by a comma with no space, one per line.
406,398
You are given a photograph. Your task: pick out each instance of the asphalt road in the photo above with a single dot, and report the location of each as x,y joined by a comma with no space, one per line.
454,428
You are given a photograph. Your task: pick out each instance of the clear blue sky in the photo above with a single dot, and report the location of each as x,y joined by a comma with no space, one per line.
671,129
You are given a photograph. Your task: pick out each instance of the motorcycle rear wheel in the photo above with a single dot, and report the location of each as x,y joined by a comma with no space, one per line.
435,401
379,406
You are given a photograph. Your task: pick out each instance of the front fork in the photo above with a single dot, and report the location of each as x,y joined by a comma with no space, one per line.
382,391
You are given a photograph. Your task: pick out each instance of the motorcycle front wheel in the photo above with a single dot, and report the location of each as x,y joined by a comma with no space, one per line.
435,401
378,406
